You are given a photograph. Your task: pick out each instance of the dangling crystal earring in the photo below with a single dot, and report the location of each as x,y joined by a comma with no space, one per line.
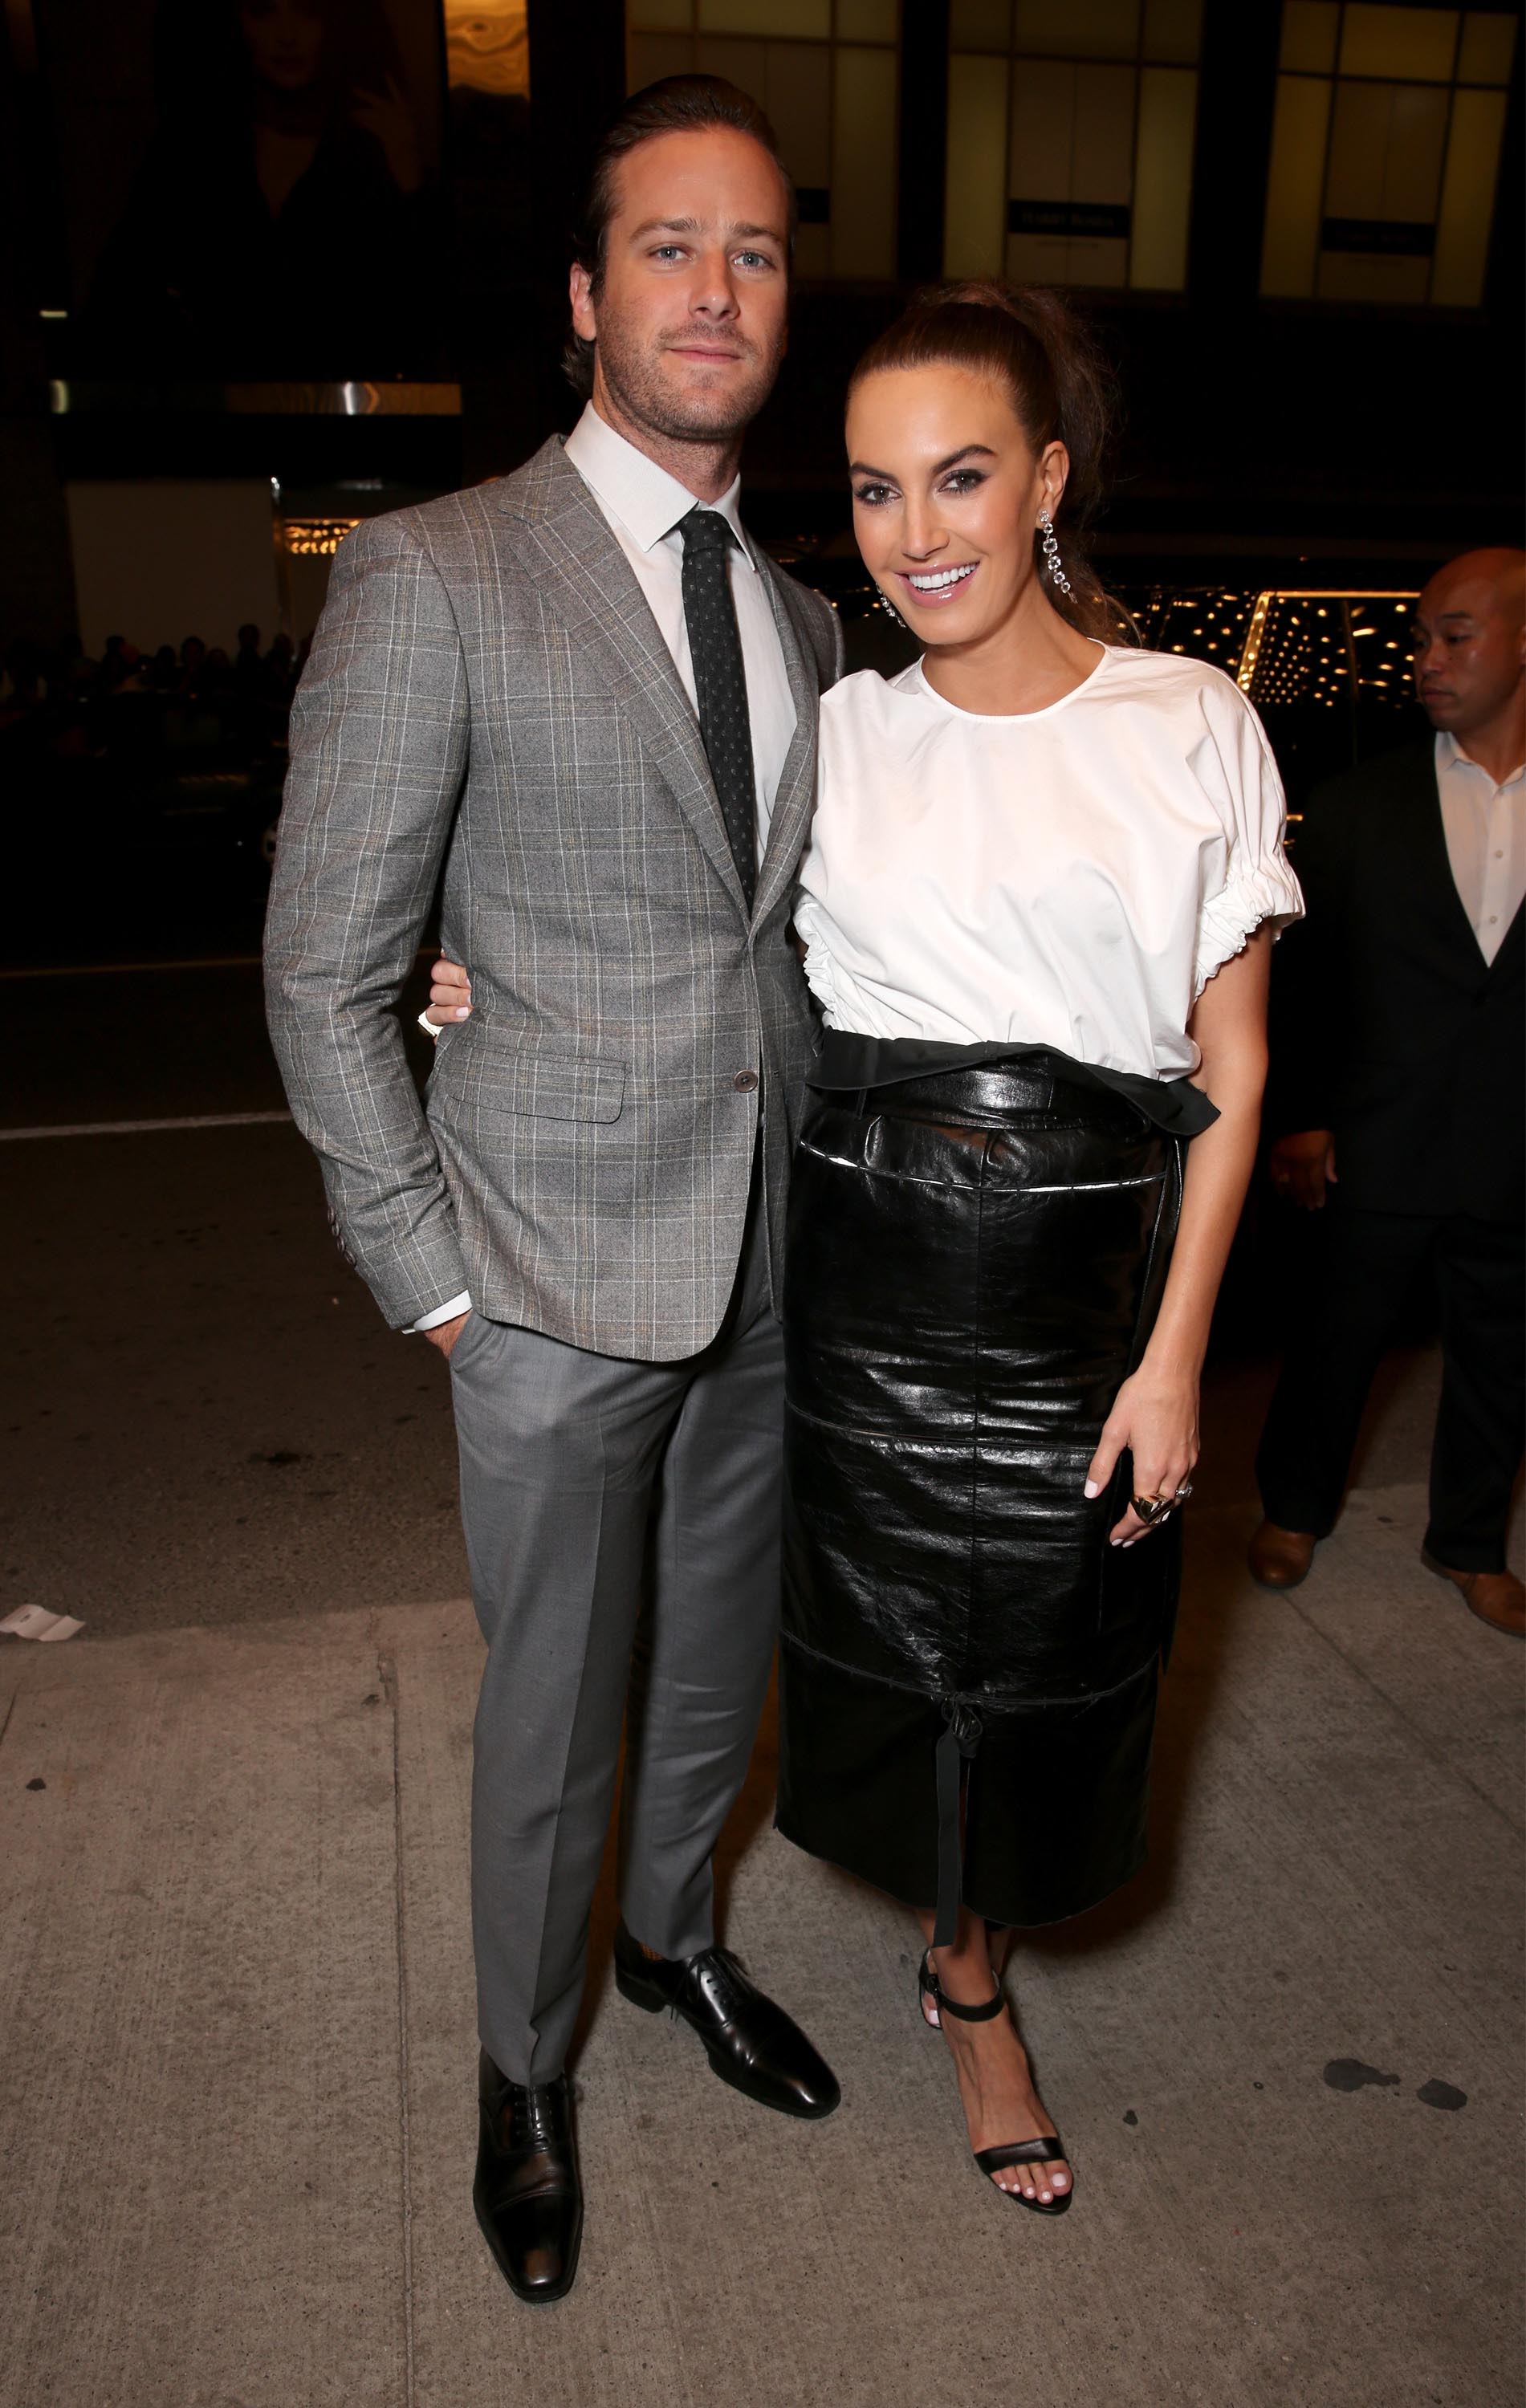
886,604
1051,553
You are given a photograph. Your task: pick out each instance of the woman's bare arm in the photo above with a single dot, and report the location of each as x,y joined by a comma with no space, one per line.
1156,1411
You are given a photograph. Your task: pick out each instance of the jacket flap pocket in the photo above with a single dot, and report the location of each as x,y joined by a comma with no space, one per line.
498,1074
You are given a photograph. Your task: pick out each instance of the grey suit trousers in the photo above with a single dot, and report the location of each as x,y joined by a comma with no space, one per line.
593,1487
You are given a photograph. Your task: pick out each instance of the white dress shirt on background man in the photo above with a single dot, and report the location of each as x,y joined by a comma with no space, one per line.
1486,840
644,506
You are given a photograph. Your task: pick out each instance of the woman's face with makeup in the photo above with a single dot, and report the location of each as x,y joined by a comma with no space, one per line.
946,495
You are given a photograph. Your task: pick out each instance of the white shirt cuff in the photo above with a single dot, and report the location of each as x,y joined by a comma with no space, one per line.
459,1304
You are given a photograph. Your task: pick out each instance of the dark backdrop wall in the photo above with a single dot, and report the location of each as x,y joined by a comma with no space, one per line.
419,349
249,188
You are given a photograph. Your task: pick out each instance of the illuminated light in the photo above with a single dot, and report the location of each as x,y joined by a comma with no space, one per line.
314,538
487,46
53,313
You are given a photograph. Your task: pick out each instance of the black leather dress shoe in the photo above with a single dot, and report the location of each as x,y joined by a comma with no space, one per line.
528,2195
751,2042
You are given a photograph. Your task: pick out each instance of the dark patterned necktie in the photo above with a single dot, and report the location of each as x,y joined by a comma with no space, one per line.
720,683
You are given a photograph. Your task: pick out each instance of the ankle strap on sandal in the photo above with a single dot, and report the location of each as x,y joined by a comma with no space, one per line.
955,2007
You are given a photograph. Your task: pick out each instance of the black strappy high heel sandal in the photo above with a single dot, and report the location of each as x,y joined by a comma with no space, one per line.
1041,2151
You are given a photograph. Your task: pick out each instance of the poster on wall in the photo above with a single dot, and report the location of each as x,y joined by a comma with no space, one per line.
253,188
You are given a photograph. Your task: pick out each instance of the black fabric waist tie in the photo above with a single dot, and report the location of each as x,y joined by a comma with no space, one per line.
849,1063
957,1745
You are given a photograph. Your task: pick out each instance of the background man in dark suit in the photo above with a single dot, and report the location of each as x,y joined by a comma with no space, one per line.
1397,1085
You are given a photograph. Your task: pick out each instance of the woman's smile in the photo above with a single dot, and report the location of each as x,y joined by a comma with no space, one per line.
935,588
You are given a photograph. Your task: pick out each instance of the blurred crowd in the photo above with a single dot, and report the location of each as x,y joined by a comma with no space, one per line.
198,699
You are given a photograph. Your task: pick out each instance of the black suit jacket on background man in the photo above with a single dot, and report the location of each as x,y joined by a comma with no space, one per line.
1388,1026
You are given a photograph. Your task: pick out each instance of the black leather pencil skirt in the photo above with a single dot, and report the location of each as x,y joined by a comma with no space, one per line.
967,1669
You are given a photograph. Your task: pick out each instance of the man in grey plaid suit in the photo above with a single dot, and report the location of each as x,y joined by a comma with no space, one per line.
584,693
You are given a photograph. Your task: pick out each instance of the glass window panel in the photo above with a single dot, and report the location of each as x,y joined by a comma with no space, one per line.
1309,31
1488,47
1075,29
1386,150
1036,259
741,63
1072,140
780,18
650,56
660,15
866,21
1467,198
1043,131
1168,104
1046,259
1102,153
796,91
976,188
1416,145
864,163
1357,275
1359,150
1294,181
1172,30
1417,44
979,24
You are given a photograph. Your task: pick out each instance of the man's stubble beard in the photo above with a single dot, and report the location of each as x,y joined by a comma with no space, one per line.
633,380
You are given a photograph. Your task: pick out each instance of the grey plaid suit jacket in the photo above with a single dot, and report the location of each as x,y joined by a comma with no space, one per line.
487,687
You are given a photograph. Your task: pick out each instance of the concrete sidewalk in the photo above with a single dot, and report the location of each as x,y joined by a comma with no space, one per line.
237,2051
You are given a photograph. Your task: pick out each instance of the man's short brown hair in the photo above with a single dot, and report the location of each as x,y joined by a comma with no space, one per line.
685,104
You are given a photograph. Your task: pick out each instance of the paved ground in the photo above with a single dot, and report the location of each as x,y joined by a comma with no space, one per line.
236,1992
235,2045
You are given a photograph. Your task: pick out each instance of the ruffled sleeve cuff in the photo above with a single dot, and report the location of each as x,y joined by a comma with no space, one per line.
818,962
1231,918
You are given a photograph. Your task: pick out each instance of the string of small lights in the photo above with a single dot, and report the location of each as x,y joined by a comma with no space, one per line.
1286,647
314,538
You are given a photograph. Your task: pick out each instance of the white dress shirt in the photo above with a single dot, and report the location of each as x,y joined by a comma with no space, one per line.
644,506
1486,840
1070,877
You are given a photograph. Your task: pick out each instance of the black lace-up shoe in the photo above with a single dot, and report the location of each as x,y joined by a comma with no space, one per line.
528,2195
751,2042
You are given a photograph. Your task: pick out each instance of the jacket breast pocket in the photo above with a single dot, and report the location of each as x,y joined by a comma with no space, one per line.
497,1075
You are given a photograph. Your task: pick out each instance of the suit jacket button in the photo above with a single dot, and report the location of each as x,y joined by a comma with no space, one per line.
744,1081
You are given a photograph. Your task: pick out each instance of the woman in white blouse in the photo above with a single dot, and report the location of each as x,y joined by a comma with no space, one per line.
1037,907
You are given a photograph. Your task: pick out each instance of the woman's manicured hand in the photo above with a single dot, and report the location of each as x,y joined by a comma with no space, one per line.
1156,1417
450,995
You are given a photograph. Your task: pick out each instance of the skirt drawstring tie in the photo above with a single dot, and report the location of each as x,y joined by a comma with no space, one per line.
957,1742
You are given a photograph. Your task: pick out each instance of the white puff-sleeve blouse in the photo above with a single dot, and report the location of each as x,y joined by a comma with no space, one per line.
1069,878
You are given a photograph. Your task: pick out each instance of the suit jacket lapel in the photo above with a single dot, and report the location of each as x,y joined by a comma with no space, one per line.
793,802
582,573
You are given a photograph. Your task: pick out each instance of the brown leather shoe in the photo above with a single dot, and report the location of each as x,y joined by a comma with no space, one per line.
1280,1558
1496,1597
